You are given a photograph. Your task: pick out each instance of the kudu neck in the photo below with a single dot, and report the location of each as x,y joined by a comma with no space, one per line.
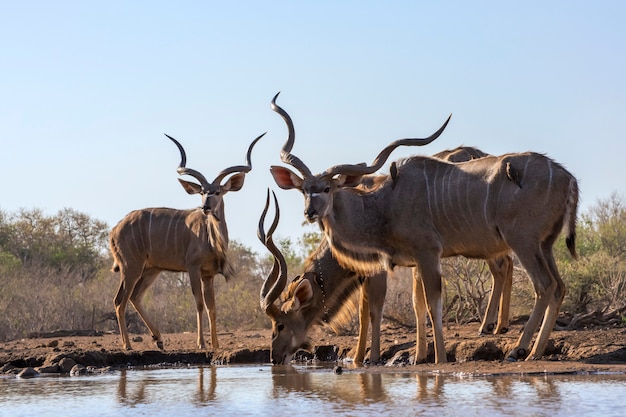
332,285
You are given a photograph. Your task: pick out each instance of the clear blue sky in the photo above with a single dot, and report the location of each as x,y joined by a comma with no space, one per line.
88,88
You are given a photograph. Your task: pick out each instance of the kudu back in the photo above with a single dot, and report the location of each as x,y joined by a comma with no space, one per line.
429,209
148,241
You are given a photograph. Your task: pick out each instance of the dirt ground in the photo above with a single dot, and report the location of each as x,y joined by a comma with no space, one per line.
576,351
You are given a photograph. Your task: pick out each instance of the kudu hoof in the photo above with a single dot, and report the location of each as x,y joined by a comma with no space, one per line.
157,342
516,355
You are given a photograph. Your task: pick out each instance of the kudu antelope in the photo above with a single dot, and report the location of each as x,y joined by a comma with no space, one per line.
148,241
318,296
429,209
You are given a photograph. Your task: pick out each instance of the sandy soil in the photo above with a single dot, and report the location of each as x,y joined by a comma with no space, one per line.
576,351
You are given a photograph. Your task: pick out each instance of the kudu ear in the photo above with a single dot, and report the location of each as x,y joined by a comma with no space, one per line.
348,180
190,187
234,183
285,178
303,294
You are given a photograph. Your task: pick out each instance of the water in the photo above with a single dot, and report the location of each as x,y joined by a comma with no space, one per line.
305,391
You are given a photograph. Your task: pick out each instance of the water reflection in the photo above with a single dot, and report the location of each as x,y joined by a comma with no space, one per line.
429,388
133,392
353,388
283,390
207,395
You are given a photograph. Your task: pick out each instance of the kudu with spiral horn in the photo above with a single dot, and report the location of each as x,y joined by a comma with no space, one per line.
430,209
148,241
332,286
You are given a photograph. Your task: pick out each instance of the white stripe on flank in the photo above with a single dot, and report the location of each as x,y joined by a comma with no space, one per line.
468,201
169,227
435,194
150,232
462,212
446,199
549,181
485,204
430,209
138,247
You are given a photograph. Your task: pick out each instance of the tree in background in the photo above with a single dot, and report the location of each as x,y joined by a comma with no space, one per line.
55,274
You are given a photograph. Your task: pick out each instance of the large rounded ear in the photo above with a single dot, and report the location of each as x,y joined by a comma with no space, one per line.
285,178
234,183
303,294
190,187
348,180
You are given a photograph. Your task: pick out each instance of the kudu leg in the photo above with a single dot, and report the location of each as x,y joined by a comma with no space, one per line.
371,305
209,301
364,312
419,306
377,292
128,279
146,280
546,306
431,282
505,297
196,289
496,318
552,311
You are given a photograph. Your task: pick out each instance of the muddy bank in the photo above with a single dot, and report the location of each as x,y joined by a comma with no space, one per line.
586,350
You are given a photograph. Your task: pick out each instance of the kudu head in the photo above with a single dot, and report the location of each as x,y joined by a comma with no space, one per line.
318,190
288,325
213,192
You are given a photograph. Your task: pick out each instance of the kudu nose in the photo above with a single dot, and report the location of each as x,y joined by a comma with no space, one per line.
310,213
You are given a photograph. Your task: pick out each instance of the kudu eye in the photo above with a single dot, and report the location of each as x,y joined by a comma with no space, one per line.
327,189
281,327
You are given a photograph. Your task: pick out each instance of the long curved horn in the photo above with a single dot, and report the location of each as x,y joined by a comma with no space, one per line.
238,168
285,153
361,169
276,280
182,170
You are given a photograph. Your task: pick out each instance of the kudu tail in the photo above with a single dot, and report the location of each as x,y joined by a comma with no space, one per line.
115,253
571,214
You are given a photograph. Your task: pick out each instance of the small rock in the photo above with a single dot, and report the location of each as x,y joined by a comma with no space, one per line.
137,339
28,373
51,369
78,369
53,343
66,365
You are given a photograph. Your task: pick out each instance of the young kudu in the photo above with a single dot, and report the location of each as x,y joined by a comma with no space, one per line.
429,209
317,297
148,241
